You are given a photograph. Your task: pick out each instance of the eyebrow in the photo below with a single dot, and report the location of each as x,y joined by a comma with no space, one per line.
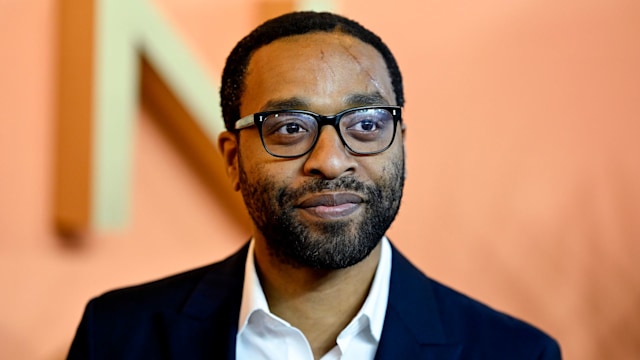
353,100
368,99
285,104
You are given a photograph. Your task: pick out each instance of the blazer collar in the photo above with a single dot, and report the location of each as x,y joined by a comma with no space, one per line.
206,326
413,327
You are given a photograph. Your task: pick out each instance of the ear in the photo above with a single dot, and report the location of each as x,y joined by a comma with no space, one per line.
403,130
228,146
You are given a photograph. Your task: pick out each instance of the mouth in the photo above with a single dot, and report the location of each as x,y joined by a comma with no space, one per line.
331,205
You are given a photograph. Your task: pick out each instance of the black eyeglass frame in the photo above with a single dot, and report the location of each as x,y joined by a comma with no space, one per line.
257,119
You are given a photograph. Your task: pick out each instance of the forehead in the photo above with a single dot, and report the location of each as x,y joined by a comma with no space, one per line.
320,71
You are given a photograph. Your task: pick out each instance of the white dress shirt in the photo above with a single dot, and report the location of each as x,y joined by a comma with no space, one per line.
263,335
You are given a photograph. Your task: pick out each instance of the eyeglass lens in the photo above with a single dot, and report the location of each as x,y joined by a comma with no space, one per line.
363,131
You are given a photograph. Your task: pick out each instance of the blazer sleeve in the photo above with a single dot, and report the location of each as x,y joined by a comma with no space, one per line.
81,345
551,351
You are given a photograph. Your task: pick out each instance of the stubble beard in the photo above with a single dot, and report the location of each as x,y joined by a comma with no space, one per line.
322,245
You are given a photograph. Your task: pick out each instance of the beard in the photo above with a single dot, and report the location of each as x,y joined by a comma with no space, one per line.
322,245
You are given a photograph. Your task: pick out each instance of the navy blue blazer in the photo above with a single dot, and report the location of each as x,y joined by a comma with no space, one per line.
194,315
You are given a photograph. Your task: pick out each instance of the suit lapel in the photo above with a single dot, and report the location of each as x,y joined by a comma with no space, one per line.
206,326
413,327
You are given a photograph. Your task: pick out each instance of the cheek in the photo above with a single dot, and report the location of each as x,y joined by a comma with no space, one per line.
249,144
258,164
382,165
260,170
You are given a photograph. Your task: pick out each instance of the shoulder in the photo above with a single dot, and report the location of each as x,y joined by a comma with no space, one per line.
473,322
476,326
137,321
172,292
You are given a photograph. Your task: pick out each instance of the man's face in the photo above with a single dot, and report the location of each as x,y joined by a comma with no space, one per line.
327,209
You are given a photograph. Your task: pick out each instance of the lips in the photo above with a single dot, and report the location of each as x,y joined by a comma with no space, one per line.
333,199
330,206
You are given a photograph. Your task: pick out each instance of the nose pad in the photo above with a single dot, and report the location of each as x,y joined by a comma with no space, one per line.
329,157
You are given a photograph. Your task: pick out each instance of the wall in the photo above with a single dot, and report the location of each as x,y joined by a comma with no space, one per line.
522,147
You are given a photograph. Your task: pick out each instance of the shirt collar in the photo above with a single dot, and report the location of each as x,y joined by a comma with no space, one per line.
375,305
373,309
253,298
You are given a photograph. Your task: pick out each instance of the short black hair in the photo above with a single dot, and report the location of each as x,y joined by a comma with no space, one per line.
295,23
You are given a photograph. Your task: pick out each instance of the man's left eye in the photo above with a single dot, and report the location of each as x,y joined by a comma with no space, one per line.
364,125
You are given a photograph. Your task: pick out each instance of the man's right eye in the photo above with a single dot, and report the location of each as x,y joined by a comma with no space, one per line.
290,128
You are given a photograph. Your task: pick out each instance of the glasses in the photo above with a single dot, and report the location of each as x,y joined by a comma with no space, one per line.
292,133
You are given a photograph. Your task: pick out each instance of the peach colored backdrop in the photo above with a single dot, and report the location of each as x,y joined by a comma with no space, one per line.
524,184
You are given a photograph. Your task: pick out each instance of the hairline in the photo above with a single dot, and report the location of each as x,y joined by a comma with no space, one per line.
300,102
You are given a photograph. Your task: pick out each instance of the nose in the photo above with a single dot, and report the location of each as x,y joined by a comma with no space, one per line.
329,158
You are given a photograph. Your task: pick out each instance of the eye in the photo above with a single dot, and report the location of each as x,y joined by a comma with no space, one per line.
290,128
367,121
288,125
364,125
367,125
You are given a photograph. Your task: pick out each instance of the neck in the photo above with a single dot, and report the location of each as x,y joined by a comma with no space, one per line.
320,303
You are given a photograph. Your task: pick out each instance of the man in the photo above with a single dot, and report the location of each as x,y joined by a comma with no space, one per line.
312,103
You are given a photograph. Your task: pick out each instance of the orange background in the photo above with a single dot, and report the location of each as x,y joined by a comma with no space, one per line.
523,190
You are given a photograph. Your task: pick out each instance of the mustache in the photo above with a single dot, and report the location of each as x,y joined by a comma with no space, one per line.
347,183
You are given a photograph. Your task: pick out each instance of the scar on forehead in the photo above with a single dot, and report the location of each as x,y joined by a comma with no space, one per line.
355,58
327,63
